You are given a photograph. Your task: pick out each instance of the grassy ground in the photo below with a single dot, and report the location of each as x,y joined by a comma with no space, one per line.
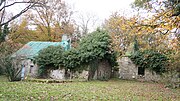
113,90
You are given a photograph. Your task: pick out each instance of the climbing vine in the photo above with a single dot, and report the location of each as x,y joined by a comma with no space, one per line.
93,47
49,58
150,59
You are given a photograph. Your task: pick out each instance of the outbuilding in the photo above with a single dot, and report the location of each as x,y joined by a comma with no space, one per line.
24,58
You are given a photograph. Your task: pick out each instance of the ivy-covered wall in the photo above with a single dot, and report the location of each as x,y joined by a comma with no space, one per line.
92,49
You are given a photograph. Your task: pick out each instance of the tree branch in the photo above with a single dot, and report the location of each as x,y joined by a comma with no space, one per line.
1,2
15,3
31,3
3,12
19,14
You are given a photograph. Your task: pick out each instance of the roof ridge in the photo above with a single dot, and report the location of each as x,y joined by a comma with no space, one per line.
42,41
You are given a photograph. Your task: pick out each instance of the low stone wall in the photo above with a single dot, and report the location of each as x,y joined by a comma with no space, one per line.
81,75
151,76
58,74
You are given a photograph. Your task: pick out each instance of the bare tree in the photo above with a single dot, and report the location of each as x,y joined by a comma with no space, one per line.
4,4
86,22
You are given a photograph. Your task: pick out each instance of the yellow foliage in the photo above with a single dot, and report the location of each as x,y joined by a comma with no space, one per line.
152,33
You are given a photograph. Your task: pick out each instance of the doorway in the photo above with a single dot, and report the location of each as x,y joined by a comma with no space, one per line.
141,71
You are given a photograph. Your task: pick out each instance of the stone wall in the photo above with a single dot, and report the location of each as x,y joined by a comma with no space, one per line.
30,69
103,71
81,75
57,74
151,76
128,70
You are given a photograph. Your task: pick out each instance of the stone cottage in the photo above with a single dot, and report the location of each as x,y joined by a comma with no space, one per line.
26,54
128,70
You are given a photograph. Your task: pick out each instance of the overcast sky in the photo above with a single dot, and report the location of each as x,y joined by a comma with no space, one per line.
102,9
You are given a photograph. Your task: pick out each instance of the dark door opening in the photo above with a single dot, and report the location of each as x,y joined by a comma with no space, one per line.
141,71
30,70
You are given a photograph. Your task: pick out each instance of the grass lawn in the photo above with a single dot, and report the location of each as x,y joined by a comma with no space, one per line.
113,90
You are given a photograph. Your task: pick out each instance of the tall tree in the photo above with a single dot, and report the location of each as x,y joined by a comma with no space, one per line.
20,33
165,19
173,5
121,30
4,33
55,14
152,33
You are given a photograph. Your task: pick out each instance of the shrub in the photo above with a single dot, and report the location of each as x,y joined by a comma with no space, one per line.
49,58
95,46
11,71
171,79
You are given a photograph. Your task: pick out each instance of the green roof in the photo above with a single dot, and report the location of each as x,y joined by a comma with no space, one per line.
32,48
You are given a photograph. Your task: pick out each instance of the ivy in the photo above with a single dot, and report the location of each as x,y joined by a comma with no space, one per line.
93,47
4,32
150,59
50,57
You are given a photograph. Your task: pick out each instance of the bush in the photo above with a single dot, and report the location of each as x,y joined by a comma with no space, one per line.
150,59
11,71
171,79
95,46
174,61
72,59
49,58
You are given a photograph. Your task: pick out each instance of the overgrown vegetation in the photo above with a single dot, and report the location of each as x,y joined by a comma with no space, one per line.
150,59
49,58
9,69
4,32
92,48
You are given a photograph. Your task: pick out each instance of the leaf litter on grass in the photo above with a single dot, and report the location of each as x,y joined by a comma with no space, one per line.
112,90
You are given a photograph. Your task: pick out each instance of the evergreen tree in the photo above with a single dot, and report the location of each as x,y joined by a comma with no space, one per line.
4,32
